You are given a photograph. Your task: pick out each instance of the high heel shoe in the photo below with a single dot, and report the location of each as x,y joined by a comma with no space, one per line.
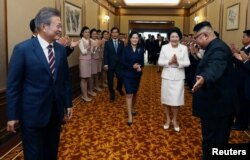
166,126
130,121
86,99
176,128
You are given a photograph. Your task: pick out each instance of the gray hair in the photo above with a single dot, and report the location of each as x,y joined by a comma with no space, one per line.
44,16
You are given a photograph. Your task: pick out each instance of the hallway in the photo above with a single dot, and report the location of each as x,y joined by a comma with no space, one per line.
98,130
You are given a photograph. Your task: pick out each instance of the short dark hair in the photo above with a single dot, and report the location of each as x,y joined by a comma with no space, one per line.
131,35
247,32
114,28
91,31
32,25
201,25
98,31
44,16
217,34
83,29
174,30
104,31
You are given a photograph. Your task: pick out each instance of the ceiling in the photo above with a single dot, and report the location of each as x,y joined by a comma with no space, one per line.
182,4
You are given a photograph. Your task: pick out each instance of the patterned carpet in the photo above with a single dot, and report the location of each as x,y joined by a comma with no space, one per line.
98,129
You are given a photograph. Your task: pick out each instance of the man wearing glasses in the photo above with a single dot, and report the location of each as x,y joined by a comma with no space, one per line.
213,91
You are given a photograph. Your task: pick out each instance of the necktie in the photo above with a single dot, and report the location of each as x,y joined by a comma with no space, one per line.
51,59
116,46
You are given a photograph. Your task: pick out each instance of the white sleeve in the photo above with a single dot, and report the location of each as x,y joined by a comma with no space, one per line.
83,50
185,62
163,60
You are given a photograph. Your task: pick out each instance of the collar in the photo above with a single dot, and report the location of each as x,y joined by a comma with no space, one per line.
246,47
44,44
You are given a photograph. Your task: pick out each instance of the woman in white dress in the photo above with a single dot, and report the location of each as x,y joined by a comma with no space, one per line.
173,58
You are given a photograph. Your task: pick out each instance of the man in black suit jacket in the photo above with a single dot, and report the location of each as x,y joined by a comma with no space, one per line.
112,55
38,88
158,43
242,79
213,93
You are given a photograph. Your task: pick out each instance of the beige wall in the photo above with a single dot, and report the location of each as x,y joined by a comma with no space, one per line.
112,21
92,14
213,14
19,15
248,15
104,25
216,13
234,36
124,20
210,12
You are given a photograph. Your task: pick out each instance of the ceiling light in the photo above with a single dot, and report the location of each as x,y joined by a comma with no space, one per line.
152,2
196,19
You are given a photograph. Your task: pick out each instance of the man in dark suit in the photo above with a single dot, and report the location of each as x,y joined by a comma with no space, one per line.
112,54
38,88
213,97
158,43
242,79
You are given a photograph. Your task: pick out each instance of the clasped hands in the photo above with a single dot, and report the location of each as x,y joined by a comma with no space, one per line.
173,60
137,67
240,55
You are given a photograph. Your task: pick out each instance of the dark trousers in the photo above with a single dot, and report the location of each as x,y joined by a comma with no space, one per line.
42,143
110,74
243,112
215,131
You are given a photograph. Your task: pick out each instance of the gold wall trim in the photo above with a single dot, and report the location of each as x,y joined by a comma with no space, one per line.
202,6
6,37
247,15
221,18
128,14
100,4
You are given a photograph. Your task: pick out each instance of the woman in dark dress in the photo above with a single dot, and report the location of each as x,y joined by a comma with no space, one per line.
132,61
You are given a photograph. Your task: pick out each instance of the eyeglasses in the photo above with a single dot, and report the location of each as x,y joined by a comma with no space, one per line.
198,35
58,26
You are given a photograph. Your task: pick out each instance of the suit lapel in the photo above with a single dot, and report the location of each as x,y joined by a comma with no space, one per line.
57,58
113,45
38,51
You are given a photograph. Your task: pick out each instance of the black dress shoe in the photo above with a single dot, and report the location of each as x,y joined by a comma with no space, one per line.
134,113
112,97
121,92
239,128
129,123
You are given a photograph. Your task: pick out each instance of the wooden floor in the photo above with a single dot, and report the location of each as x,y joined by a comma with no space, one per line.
98,129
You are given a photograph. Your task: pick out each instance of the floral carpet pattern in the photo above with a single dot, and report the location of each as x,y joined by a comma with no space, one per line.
98,129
